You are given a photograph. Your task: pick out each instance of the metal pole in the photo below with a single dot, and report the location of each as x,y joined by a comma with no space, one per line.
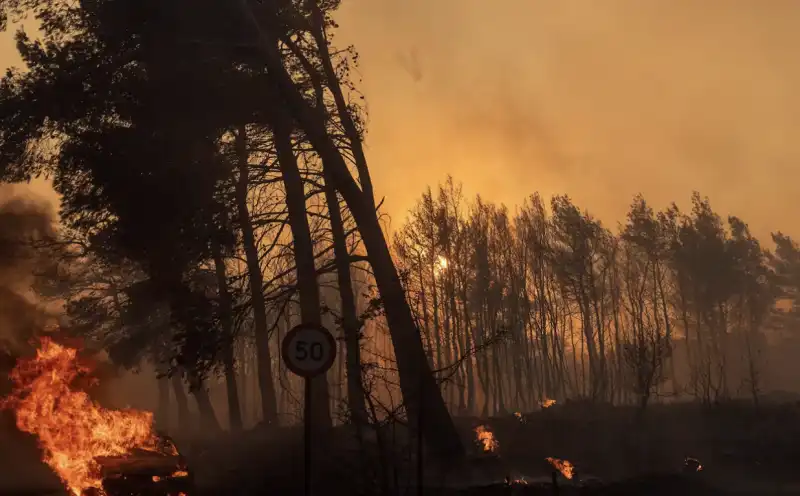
307,439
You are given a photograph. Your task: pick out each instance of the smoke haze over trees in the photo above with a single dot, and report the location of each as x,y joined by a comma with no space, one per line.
672,304
215,192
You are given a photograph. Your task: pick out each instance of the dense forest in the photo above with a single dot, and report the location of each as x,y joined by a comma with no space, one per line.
215,192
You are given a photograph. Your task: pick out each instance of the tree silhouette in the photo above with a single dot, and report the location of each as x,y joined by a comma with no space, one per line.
144,108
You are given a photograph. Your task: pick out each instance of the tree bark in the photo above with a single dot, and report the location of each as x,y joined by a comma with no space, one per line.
352,332
310,312
226,319
269,408
163,417
184,416
208,419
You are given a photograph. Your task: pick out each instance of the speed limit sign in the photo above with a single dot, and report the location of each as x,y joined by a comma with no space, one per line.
308,350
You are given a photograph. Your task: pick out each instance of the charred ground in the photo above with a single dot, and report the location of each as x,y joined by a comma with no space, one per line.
615,450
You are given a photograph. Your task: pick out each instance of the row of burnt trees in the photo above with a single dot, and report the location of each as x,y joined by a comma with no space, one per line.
203,152
566,309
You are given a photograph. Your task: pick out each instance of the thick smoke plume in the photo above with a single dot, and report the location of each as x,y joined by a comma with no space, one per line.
25,222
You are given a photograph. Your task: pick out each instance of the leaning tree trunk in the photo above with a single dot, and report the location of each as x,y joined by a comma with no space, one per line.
226,319
416,380
208,419
163,412
352,332
342,109
310,311
269,407
184,416
180,305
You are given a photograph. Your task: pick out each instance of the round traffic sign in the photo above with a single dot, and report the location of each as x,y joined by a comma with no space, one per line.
308,350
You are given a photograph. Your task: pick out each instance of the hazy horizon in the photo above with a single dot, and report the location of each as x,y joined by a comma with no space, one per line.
597,101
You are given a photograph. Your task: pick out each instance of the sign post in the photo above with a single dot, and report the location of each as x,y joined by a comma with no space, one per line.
308,350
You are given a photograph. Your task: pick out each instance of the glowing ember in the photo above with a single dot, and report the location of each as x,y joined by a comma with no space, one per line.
174,475
72,429
692,465
564,466
486,439
516,481
547,403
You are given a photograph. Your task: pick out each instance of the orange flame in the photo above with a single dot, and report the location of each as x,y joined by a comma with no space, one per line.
71,428
175,475
486,438
564,466
547,403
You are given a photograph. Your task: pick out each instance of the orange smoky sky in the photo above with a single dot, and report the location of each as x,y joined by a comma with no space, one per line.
600,100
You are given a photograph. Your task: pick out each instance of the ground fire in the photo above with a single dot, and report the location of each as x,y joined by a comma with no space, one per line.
89,447
564,466
547,403
485,438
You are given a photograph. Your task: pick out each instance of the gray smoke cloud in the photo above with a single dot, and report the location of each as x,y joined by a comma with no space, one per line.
25,221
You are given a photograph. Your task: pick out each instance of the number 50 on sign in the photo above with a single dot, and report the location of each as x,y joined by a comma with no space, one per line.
308,350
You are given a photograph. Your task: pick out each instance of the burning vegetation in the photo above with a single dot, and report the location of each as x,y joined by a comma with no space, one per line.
85,444
484,437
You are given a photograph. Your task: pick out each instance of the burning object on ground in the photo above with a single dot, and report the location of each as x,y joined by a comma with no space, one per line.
485,439
146,472
93,450
547,403
565,467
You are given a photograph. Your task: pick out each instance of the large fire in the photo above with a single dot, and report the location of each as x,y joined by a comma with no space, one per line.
72,430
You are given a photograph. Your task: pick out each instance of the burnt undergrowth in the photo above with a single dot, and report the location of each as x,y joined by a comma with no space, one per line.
743,450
